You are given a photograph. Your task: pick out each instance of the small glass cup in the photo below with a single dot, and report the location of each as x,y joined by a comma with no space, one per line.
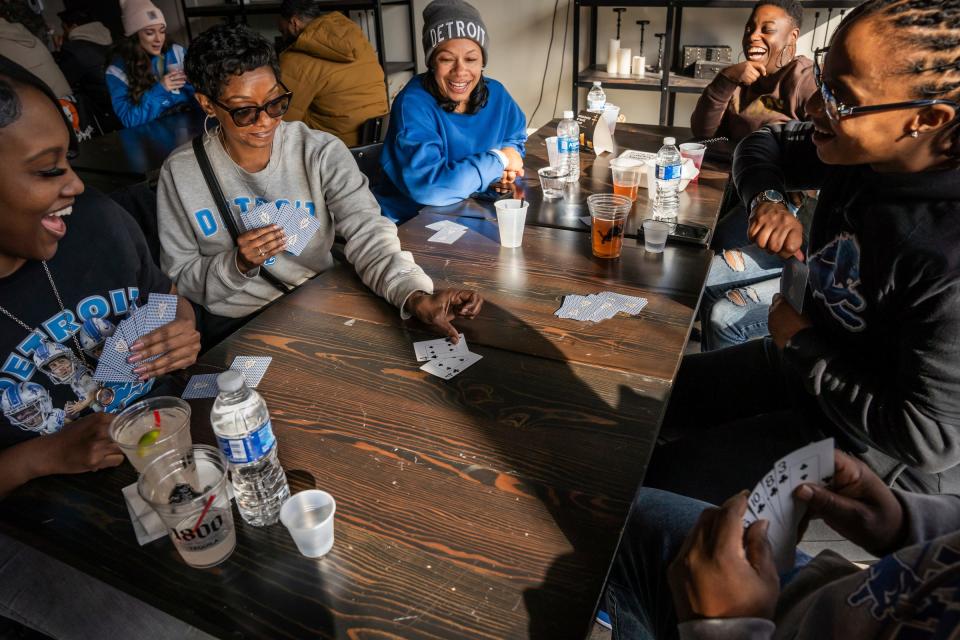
189,493
608,213
151,428
655,235
511,218
308,516
553,181
695,151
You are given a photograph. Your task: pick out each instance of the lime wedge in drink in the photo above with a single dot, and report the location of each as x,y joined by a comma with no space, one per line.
146,441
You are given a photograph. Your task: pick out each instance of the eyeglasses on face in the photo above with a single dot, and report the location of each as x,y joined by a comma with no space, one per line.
836,110
246,116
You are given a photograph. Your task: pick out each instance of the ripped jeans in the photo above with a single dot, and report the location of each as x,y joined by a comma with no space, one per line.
737,296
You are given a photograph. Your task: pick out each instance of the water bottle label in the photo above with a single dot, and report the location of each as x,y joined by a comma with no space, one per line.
668,171
568,145
249,448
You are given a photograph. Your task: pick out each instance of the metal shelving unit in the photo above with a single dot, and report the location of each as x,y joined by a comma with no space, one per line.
668,84
240,9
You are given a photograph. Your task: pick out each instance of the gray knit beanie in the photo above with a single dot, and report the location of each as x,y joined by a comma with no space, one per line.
449,20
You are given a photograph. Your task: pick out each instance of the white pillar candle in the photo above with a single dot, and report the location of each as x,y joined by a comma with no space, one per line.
639,68
613,52
623,62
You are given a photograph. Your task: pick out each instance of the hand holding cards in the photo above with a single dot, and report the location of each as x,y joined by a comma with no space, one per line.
297,224
160,310
772,499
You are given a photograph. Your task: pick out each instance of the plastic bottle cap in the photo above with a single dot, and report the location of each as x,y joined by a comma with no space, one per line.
596,83
230,381
669,140
568,115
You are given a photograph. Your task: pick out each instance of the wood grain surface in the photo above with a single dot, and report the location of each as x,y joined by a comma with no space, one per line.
488,506
699,203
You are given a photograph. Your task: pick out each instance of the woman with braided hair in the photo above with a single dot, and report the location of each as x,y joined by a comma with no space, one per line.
873,356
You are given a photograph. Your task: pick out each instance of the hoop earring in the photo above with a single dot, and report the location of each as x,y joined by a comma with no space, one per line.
780,63
206,128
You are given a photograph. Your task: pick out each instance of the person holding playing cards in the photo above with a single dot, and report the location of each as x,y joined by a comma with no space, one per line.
267,169
689,569
452,131
870,353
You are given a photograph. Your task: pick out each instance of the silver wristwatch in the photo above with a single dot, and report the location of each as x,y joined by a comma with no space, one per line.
770,195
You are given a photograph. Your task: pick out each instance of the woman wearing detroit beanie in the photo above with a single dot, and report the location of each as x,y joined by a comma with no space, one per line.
452,131
142,85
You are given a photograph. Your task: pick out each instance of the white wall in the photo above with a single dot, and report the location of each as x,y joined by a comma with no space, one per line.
519,37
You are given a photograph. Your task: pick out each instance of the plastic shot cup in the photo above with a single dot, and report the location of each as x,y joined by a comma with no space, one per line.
308,516
695,151
511,218
626,177
655,235
189,493
553,181
150,428
608,213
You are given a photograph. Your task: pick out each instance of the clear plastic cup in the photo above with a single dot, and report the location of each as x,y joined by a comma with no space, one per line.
150,428
626,177
695,151
553,152
553,181
511,218
189,493
655,235
608,213
611,113
308,516
175,67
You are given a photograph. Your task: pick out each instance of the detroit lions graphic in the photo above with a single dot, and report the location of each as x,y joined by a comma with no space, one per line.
835,278
93,334
62,367
28,406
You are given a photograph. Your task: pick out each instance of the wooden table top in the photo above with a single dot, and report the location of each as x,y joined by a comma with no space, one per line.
699,203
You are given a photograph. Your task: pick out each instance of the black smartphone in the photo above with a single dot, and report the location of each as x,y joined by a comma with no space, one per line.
688,233
492,194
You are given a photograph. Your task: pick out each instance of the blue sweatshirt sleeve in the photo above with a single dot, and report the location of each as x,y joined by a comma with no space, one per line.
152,103
425,173
517,127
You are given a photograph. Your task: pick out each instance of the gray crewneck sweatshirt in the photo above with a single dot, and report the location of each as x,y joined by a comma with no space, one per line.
307,168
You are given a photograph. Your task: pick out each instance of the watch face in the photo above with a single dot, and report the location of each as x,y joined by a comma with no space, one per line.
772,196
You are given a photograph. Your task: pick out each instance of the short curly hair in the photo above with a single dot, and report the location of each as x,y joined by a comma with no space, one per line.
791,7
227,50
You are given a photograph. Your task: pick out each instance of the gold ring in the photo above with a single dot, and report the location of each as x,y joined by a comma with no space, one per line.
260,250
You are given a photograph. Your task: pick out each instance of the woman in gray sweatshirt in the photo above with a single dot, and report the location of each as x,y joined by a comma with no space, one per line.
258,159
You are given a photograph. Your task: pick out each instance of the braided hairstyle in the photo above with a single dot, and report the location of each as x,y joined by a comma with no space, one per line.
929,31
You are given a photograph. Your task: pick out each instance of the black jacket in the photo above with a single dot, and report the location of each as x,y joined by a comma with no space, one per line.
882,360
84,64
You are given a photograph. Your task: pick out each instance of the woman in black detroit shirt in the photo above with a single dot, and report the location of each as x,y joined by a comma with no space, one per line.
70,266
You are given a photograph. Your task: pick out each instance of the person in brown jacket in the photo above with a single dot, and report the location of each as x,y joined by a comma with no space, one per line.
771,86
332,70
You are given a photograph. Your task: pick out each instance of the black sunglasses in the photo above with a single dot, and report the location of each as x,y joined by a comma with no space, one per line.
246,116
836,110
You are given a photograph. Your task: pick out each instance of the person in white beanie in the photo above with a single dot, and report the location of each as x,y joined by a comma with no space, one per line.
146,78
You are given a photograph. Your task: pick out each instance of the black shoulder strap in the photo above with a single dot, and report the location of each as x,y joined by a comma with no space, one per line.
224,208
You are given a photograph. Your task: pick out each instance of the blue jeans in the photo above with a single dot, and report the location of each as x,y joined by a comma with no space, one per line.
638,596
740,287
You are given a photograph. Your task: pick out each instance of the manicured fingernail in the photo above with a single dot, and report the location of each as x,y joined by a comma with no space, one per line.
132,359
140,369
804,492
136,346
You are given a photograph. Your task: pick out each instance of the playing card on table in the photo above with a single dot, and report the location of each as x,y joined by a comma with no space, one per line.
252,368
260,216
630,304
201,386
445,224
449,367
448,234
299,227
439,348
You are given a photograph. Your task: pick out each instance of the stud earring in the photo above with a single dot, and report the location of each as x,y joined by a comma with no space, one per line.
914,134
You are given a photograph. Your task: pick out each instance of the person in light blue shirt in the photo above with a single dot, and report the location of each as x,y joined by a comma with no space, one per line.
452,131
146,78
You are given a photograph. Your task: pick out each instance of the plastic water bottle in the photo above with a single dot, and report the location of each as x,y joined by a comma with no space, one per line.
596,99
568,146
241,422
669,164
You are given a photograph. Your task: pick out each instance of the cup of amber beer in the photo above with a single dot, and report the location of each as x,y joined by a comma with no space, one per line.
608,213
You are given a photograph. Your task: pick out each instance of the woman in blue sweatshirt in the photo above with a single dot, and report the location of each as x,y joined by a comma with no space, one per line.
146,78
452,131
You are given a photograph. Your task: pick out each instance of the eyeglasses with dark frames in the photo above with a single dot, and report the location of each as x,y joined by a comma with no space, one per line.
836,110
247,116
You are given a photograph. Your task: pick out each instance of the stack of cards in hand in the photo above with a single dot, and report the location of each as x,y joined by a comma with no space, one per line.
443,358
772,499
599,306
160,309
252,368
298,225
447,232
